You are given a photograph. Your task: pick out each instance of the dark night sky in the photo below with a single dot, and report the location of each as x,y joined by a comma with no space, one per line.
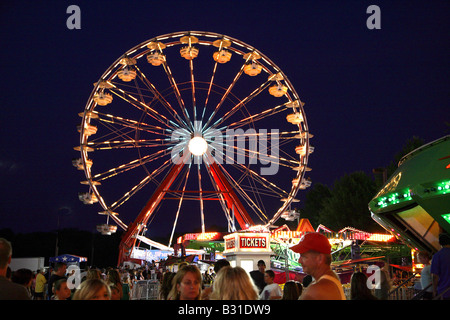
366,91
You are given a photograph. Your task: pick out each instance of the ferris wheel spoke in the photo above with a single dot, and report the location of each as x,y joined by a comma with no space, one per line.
258,116
194,104
268,185
114,133
179,206
136,163
222,200
244,195
139,90
225,95
140,185
248,57
202,215
130,193
148,94
177,92
210,87
253,155
263,181
259,191
251,188
133,143
220,47
161,99
242,103
141,106
132,124
113,139
239,189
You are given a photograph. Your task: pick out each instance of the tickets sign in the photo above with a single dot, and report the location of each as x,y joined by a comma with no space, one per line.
249,242
253,242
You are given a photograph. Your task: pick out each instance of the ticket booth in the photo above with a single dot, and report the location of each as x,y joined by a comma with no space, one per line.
246,249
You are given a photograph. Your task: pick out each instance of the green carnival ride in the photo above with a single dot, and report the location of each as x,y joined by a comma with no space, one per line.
414,204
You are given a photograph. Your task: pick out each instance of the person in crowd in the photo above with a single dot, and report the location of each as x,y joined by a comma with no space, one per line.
93,289
382,292
103,274
23,277
217,266
33,284
272,290
300,287
440,268
62,291
306,280
132,275
8,289
291,291
115,292
233,284
40,285
207,278
258,275
166,285
315,258
425,275
126,286
58,273
139,275
93,273
113,279
359,289
145,272
187,284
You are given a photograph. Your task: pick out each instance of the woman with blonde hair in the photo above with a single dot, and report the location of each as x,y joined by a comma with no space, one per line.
234,284
187,284
93,289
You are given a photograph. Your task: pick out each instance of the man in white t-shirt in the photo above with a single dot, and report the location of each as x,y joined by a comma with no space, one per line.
272,290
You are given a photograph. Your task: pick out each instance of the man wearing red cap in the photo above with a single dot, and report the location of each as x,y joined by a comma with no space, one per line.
315,258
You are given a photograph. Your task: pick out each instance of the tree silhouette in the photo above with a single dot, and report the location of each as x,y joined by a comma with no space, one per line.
348,203
314,203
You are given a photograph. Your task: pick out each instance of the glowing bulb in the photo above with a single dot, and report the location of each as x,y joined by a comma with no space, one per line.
198,146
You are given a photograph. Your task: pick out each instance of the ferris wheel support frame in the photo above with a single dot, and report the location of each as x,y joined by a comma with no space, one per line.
129,238
232,201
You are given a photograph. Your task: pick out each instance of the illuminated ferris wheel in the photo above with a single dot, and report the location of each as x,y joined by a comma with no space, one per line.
192,127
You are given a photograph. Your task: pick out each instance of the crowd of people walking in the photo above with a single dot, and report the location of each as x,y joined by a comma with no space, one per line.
188,283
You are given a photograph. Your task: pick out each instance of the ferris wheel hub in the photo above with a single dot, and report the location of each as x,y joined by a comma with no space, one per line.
198,146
